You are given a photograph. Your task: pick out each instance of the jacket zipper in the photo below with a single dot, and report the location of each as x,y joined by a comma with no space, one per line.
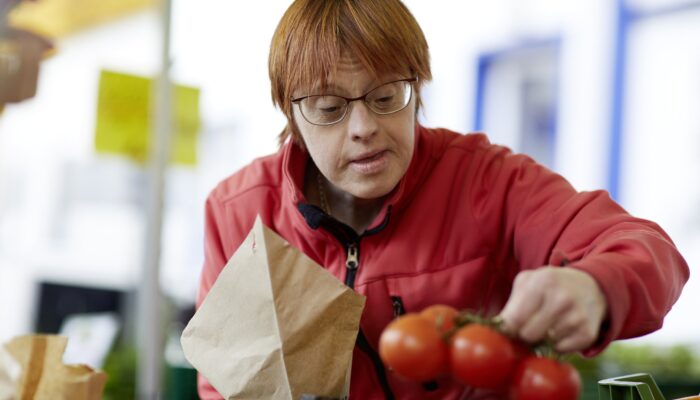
352,262
350,240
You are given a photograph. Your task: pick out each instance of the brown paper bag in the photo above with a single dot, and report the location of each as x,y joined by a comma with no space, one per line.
275,325
44,376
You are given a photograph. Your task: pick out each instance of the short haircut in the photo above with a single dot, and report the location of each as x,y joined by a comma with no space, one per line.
307,44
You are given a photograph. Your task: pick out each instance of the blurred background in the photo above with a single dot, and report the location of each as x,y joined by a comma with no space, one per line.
605,92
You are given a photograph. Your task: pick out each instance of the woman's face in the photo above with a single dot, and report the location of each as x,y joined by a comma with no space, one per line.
365,154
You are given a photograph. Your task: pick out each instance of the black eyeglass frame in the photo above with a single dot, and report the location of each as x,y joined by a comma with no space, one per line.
349,100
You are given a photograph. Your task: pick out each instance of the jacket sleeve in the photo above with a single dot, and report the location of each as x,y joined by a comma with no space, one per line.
214,262
547,222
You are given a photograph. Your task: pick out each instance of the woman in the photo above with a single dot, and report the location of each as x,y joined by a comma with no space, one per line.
410,216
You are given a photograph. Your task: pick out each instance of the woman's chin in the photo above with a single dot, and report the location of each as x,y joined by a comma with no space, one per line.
371,193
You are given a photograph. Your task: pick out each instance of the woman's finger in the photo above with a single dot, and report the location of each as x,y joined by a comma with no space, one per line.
556,305
524,300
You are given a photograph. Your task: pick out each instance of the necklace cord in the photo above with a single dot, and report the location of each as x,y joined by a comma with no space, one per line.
322,194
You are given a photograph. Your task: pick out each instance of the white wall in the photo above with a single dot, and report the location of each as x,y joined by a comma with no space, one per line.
660,164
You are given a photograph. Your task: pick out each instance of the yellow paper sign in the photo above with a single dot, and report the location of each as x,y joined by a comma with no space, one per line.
124,118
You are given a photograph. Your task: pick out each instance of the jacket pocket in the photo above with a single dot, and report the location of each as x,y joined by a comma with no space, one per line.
466,285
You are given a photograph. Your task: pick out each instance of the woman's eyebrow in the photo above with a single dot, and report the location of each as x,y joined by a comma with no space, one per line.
332,89
328,88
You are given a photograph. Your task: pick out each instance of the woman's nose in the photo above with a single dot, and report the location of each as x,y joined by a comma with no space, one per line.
362,122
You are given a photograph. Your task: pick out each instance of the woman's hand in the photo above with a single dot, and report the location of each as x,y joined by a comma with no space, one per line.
562,304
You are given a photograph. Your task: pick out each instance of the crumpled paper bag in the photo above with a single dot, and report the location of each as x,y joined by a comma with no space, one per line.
275,325
44,376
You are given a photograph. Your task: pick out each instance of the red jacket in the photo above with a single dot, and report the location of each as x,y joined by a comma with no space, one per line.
465,219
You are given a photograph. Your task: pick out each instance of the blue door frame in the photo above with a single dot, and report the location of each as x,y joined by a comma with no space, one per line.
487,59
626,17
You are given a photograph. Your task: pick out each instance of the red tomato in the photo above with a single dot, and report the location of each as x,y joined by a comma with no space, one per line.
538,378
481,357
442,315
413,348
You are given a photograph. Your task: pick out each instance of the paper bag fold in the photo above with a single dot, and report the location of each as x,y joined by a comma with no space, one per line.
44,376
275,325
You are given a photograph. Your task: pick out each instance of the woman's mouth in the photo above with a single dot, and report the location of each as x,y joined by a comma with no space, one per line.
371,164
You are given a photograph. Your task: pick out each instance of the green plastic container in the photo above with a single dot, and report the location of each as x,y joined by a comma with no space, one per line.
631,387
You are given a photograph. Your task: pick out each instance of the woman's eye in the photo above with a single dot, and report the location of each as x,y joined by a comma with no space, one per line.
327,104
329,109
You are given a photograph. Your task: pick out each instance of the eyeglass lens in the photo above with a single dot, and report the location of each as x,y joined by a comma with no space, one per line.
385,99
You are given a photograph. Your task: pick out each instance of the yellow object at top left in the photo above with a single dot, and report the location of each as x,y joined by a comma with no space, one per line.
55,18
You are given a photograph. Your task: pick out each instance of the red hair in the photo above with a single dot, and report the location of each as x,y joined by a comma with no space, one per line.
306,47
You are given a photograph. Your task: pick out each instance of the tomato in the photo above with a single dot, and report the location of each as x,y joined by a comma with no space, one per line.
412,347
481,357
538,378
442,315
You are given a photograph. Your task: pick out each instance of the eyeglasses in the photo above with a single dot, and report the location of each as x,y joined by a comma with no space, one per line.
386,99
